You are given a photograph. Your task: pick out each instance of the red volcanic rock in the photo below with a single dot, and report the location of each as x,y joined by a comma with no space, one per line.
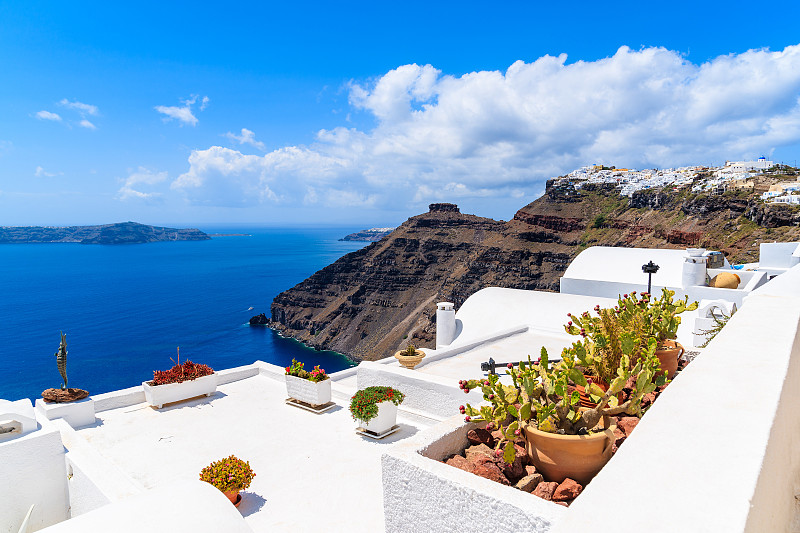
485,467
480,436
530,469
567,490
479,450
627,423
545,490
513,471
460,462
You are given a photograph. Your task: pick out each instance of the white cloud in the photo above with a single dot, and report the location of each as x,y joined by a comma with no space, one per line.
41,172
83,109
183,114
47,115
247,137
493,134
141,176
86,124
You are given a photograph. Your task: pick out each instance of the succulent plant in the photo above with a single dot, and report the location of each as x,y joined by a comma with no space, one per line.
410,350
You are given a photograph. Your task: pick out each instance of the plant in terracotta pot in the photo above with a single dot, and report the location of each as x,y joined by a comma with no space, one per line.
182,381
562,439
410,357
312,388
230,475
603,344
661,321
375,408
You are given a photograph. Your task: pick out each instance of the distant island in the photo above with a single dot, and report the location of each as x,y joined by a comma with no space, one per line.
368,235
120,233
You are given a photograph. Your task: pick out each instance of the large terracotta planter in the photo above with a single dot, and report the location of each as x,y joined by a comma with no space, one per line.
386,419
158,395
410,361
307,391
668,353
578,457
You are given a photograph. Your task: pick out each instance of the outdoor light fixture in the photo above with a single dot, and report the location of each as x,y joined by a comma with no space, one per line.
650,269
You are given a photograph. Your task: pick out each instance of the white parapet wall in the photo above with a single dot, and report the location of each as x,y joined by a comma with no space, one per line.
424,392
421,493
719,450
33,472
183,506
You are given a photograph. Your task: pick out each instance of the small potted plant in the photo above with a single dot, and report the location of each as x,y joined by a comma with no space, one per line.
181,382
375,408
312,388
410,357
230,475
562,439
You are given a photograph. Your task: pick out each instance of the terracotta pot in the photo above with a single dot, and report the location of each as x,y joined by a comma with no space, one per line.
410,361
668,352
578,457
233,496
586,400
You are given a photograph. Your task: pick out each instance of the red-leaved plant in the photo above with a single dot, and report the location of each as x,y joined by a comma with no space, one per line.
181,372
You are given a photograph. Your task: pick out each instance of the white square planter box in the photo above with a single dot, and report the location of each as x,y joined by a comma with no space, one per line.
386,419
307,391
158,395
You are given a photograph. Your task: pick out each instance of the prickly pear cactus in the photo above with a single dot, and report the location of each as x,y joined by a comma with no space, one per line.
61,360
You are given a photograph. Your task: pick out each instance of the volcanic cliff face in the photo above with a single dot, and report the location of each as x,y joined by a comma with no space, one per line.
373,301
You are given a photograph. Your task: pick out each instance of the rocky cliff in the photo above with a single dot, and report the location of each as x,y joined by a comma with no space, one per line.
121,233
373,301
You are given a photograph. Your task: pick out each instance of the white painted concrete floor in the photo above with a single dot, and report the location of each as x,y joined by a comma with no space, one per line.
313,473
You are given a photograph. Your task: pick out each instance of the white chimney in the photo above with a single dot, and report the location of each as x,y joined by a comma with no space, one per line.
445,324
694,268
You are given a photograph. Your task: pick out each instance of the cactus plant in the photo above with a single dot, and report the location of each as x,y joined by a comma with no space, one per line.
539,395
61,360
410,350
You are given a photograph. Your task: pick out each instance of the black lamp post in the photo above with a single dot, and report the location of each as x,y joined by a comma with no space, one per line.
650,269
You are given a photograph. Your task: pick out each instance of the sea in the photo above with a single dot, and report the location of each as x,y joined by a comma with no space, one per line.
125,309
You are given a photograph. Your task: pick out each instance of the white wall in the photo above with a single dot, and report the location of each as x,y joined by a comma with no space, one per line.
33,471
424,392
422,494
192,506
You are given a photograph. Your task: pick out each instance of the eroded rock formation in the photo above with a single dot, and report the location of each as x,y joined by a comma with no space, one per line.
373,301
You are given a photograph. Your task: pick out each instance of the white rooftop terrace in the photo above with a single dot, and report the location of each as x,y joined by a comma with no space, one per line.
315,473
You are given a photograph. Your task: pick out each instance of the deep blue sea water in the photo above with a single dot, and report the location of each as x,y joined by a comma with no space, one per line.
125,308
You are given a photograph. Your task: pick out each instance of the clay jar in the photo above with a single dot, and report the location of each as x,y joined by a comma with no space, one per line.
578,457
668,353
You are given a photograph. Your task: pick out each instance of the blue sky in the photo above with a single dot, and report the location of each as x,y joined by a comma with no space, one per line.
364,112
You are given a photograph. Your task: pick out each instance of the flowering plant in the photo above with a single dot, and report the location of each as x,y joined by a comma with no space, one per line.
364,403
181,372
229,474
296,369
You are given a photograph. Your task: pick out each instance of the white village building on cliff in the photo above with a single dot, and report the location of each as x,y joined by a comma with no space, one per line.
718,451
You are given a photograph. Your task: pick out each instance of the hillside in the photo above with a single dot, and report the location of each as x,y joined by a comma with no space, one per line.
372,301
120,233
